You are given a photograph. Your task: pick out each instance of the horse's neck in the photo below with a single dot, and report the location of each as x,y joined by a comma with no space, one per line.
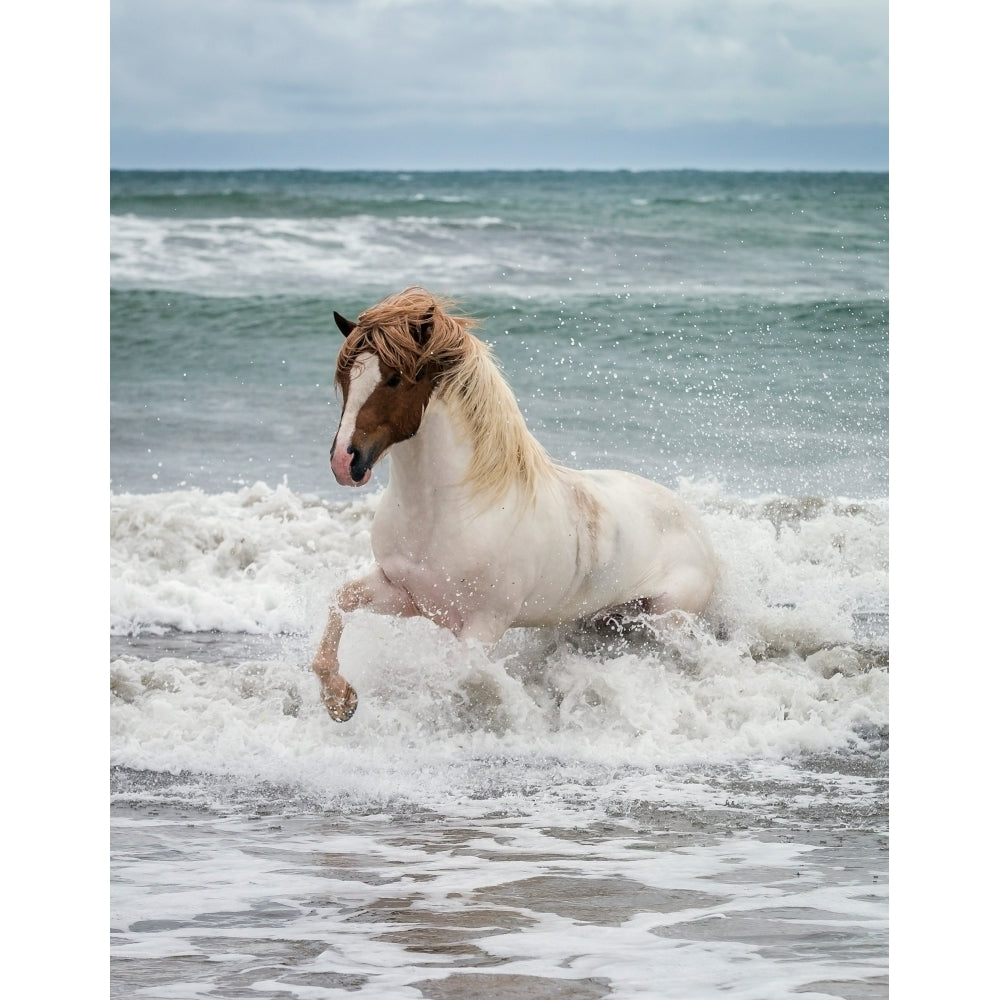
466,458
431,467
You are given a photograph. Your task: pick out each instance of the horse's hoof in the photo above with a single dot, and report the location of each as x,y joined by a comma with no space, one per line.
341,707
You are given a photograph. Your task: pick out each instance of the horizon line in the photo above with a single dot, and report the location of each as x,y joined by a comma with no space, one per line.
499,170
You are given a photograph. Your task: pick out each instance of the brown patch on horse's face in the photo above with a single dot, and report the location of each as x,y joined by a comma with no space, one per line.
392,413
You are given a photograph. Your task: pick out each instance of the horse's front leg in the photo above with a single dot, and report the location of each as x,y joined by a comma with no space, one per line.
373,593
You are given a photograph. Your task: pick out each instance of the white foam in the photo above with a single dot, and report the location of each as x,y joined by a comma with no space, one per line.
260,256
785,680
241,561
237,256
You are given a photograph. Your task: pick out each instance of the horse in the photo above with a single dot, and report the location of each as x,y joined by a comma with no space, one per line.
477,528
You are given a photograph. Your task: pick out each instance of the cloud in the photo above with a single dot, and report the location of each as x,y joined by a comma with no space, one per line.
289,66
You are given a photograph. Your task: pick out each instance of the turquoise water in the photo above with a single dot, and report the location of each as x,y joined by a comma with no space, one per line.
731,328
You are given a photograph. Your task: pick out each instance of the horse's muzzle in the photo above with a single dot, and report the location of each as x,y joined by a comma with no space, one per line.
353,466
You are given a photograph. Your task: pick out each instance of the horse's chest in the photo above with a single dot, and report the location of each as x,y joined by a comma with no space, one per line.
446,595
443,577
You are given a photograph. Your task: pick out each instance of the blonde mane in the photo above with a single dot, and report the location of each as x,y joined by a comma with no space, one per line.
412,331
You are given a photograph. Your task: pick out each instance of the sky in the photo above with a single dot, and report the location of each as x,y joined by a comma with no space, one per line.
506,84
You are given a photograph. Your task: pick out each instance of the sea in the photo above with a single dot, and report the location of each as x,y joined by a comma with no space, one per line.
658,816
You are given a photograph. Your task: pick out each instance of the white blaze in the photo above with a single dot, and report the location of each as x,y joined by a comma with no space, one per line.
364,379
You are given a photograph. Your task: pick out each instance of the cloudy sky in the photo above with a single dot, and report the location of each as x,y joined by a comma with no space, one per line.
426,84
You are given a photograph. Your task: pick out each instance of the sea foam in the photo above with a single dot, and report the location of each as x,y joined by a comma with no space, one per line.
763,678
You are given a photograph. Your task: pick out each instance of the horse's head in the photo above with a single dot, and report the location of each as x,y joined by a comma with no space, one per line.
386,379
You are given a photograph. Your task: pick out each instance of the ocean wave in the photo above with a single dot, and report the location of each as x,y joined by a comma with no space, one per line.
198,201
532,701
233,562
247,256
218,601
239,561
252,256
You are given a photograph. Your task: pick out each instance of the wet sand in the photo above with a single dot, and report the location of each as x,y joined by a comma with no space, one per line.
212,903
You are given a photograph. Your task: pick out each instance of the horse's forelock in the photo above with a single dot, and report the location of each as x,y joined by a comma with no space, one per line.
407,331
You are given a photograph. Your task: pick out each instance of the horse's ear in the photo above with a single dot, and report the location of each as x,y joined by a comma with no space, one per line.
345,326
422,331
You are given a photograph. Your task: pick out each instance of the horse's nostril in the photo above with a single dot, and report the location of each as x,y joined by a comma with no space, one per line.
359,465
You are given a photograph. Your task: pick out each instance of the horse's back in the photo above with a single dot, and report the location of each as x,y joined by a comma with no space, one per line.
653,545
606,539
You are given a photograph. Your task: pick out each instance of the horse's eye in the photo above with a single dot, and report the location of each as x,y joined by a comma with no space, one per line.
393,380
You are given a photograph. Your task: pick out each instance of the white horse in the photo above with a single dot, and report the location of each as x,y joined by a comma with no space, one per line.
478,529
